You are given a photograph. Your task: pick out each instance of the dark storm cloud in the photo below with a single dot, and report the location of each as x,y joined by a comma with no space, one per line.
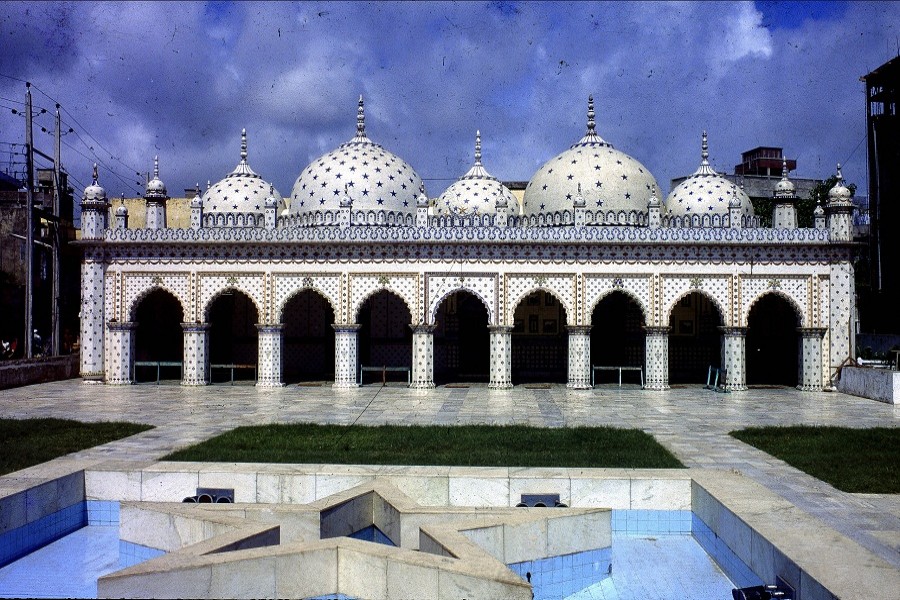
181,80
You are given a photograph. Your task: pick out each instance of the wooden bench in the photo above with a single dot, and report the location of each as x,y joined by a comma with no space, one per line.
232,367
159,364
595,368
384,371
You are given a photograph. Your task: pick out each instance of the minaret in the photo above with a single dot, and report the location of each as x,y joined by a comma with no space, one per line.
94,214
197,209
840,210
156,196
271,209
94,210
122,214
654,209
784,213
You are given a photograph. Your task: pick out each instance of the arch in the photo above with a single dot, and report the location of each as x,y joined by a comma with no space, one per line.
801,318
158,335
228,289
695,341
690,291
539,344
645,310
386,340
232,315
432,314
617,334
772,342
139,297
461,338
308,340
381,288
570,310
279,310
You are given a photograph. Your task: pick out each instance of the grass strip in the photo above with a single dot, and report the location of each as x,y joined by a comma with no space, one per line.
471,445
29,442
852,460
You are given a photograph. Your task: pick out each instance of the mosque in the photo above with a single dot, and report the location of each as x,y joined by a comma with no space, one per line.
358,276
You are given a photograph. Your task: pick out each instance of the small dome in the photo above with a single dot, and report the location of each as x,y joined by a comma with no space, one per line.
705,192
242,190
839,193
476,192
197,200
373,178
155,187
785,188
121,211
609,179
94,192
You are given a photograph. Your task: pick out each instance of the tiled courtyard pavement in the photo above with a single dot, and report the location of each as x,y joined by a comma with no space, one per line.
692,422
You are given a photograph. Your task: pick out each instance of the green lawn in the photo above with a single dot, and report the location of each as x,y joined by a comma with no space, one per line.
852,460
474,445
29,442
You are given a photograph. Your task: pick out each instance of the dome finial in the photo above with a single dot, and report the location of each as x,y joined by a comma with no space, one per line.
704,150
243,145
156,167
96,175
784,169
840,176
590,115
361,119
477,146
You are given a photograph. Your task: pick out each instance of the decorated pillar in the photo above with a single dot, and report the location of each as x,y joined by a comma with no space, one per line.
120,348
422,356
579,357
810,363
269,369
94,211
195,367
657,353
346,355
734,357
501,358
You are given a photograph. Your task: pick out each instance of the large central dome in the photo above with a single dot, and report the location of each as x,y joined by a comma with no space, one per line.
607,179
371,176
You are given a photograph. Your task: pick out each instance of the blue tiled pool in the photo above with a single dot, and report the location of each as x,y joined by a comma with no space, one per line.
655,554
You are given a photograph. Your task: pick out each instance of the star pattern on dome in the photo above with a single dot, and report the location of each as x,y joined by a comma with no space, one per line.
242,190
705,191
476,192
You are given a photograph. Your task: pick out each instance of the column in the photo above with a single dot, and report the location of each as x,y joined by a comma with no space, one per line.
501,358
269,368
91,317
346,355
422,356
121,352
810,363
657,353
734,357
579,357
195,362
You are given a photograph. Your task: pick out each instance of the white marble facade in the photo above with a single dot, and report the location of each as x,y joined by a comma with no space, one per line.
351,251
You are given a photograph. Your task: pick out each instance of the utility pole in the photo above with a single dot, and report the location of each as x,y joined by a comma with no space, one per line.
55,241
29,220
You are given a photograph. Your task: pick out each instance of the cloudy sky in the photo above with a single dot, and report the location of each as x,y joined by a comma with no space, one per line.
181,79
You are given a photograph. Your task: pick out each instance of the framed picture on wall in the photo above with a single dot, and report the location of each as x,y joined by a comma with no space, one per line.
550,326
685,327
534,299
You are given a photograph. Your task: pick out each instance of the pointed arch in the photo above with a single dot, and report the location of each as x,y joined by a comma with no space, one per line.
432,314
139,297
798,311
631,294
563,301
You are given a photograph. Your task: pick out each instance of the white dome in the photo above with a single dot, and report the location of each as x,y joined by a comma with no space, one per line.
840,192
705,192
785,188
371,176
94,192
242,190
608,179
476,192
155,187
